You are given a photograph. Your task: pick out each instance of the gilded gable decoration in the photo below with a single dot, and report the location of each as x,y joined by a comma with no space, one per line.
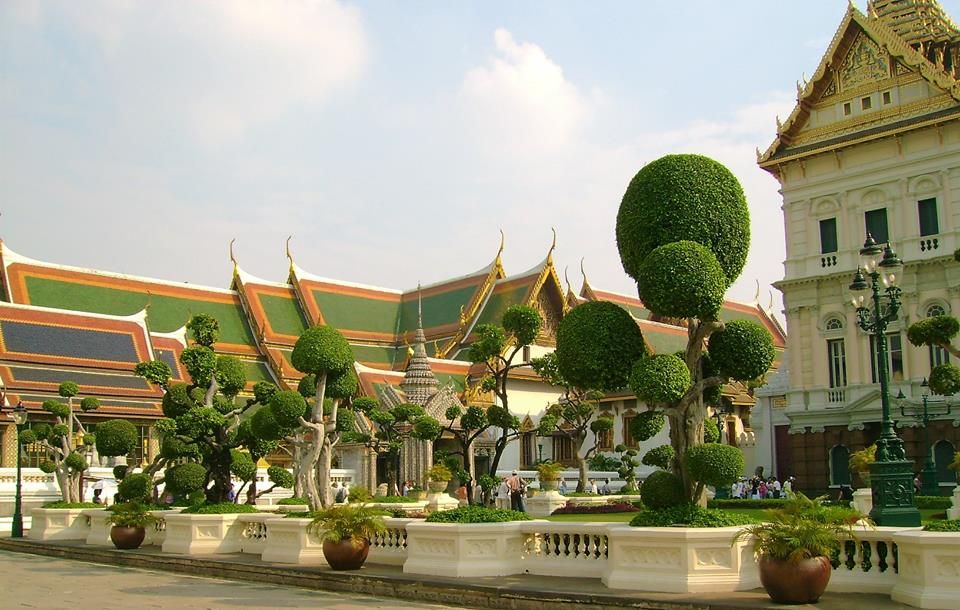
831,88
865,63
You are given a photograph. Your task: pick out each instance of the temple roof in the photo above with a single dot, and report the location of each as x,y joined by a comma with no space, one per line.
901,42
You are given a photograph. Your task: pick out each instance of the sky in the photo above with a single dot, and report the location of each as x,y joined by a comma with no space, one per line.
392,140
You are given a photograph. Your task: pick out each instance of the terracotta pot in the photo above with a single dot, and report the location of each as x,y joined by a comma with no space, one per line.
800,582
344,555
125,538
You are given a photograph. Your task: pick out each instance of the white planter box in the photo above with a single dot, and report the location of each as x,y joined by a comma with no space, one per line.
679,560
253,537
190,534
928,569
468,550
289,542
290,508
440,501
99,526
544,503
157,532
58,524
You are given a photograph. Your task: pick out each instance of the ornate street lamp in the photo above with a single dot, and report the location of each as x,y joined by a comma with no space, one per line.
891,476
923,416
19,418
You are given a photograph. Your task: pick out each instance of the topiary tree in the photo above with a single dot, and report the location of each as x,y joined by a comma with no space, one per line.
496,348
683,232
597,342
627,469
939,331
136,487
202,419
662,489
64,459
314,429
714,464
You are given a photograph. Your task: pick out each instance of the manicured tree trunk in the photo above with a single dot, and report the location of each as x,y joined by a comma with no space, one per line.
219,466
686,430
582,468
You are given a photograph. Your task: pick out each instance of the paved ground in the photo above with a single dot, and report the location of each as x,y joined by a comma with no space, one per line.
46,583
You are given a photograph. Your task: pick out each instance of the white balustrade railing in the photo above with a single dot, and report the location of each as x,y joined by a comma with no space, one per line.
565,549
390,548
867,564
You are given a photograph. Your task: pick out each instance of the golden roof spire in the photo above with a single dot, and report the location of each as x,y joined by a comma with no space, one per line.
553,246
233,258
289,256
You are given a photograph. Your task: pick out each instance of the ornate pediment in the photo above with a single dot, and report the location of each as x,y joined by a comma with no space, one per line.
865,63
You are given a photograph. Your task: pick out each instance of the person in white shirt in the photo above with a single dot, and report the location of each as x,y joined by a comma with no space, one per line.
503,495
592,487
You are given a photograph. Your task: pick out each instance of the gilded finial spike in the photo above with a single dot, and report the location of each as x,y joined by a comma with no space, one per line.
770,306
566,278
419,307
759,154
553,245
233,258
502,241
756,297
289,256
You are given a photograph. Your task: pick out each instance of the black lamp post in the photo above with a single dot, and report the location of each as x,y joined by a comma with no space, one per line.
923,416
891,476
19,418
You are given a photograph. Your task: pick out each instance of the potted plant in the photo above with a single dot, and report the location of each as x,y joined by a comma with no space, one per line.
130,521
549,474
416,493
860,462
345,531
439,477
794,546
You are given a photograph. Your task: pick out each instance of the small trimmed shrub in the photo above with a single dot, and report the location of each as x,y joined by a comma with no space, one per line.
688,515
949,525
62,504
715,464
477,514
661,457
742,350
136,486
439,472
660,378
646,425
687,264
934,502
359,494
597,344
185,478
662,489
602,509
223,508
735,504
293,501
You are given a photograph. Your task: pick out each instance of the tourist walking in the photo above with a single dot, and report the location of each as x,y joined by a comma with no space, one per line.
517,488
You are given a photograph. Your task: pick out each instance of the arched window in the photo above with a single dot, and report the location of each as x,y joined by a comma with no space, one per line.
839,465
942,456
938,355
834,324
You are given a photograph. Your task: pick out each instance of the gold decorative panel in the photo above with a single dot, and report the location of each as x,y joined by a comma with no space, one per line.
865,62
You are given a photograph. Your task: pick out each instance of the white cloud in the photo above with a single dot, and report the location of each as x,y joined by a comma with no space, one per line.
521,103
217,68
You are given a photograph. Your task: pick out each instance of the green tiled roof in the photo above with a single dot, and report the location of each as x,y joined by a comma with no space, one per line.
380,354
728,314
665,343
438,309
459,381
349,312
284,314
499,302
166,313
257,371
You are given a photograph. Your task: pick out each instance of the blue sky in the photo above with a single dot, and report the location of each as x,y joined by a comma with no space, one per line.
392,140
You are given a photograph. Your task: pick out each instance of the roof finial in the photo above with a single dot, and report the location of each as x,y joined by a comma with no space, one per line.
756,297
502,240
553,245
289,256
566,278
233,258
583,273
770,306
419,307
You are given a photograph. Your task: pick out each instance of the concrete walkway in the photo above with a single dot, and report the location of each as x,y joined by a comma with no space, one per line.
287,583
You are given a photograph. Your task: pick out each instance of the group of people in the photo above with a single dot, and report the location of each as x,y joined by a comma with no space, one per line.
759,488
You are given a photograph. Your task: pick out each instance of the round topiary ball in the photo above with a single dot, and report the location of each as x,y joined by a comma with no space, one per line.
287,408
307,386
280,476
136,487
662,489
231,376
342,385
263,391
176,400
57,408
743,350
597,344
264,424
200,362
242,465
186,478
715,464
523,322
682,280
75,462
48,466
116,437
945,380
646,425
661,457
684,197
711,431
660,378
321,349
